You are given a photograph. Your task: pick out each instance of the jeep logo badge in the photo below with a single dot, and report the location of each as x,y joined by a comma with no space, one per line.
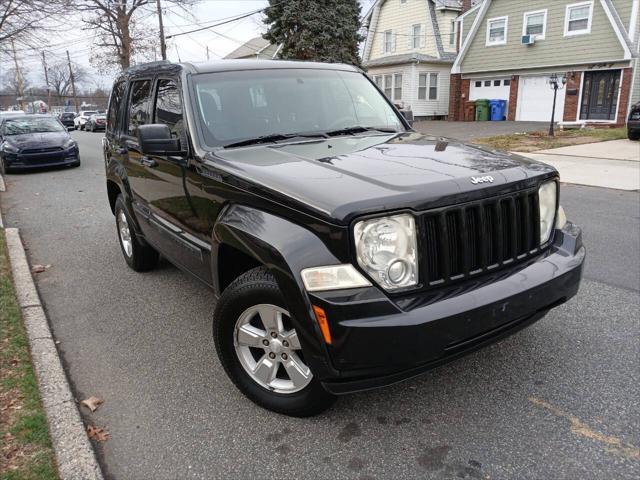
486,179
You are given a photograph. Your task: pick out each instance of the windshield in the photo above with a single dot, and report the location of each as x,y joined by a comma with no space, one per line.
241,105
19,126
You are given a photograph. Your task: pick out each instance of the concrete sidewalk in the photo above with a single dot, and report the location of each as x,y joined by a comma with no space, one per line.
614,164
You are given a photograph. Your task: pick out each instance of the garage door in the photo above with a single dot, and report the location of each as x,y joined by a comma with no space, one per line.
496,88
535,100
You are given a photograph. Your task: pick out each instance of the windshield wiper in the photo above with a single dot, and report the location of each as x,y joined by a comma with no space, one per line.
276,137
360,129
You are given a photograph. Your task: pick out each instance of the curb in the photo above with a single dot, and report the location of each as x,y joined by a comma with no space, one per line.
74,453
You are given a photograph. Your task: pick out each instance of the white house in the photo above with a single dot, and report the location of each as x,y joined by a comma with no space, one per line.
409,51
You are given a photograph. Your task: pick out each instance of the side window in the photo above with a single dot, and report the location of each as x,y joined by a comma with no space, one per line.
114,105
138,105
168,107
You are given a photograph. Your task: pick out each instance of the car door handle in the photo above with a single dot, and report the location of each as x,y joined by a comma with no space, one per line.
148,162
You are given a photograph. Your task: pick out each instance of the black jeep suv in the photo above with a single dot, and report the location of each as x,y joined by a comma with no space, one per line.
345,250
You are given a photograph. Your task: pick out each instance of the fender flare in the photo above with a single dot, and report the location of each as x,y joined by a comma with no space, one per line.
285,248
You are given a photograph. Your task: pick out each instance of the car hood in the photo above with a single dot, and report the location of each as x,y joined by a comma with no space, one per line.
347,176
38,140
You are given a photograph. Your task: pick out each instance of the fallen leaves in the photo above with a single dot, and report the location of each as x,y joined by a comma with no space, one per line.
99,434
39,268
92,403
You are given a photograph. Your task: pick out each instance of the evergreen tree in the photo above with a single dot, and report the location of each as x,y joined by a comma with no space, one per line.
317,30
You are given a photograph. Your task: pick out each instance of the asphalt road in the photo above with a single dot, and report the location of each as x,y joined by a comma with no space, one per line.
557,400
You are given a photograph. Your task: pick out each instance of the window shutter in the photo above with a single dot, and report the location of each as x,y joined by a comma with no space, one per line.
423,36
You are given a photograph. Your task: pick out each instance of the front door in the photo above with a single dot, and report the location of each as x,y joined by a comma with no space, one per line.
600,95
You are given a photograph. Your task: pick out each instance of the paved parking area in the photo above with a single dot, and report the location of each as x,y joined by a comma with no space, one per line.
559,400
470,130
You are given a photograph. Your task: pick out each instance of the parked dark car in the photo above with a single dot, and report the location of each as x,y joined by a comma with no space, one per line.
633,123
96,122
67,119
35,141
345,251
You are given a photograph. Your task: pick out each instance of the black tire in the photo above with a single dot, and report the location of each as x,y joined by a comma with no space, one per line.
633,134
256,287
143,257
3,169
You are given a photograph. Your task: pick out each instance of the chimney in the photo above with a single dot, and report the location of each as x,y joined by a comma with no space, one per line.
466,5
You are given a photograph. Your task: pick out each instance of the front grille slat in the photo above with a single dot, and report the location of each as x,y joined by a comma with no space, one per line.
464,241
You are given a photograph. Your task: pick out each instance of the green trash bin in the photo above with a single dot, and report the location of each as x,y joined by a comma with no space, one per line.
483,110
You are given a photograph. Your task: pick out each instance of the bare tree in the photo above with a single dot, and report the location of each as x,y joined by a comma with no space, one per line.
11,82
27,21
120,37
60,78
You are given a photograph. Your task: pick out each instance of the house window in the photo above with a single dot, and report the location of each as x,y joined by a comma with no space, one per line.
428,82
578,19
487,83
478,84
535,23
497,31
389,43
378,80
496,83
397,86
416,36
506,83
452,35
402,2
388,86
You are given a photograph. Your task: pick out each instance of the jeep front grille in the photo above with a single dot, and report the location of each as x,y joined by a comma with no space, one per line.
467,240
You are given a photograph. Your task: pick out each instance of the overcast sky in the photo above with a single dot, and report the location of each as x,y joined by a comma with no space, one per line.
192,47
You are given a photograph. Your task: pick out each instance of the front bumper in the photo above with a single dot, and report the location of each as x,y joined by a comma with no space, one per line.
21,161
377,343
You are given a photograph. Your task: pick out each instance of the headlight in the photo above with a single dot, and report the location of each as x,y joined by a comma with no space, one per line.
333,277
69,144
386,250
547,195
7,147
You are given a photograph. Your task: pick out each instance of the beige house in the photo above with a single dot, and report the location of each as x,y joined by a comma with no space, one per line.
510,48
255,49
409,51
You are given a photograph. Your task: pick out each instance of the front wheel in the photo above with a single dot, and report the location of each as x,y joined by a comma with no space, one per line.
633,134
3,169
140,257
259,348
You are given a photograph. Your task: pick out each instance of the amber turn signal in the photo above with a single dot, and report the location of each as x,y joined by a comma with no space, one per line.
321,318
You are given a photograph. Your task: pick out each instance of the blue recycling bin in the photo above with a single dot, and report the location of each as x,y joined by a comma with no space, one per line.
498,110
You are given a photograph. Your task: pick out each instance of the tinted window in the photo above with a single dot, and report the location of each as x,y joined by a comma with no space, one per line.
138,105
114,105
168,108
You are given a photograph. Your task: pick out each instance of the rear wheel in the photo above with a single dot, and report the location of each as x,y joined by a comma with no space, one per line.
633,134
140,257
259,348
3,169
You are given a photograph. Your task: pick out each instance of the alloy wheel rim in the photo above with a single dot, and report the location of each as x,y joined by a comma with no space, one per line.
125,234
269,350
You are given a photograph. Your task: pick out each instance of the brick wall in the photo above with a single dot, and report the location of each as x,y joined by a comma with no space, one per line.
454,96
574,80
458,96
625,90
513,98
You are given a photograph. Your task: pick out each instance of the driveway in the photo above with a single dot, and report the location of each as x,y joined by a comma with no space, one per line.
613,164
470,130
557,400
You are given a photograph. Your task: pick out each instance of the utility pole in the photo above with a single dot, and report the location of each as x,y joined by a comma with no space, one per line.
73,83
19,82
46,79
207,52
163,45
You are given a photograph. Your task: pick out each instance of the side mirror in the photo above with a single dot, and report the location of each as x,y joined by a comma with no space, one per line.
156,139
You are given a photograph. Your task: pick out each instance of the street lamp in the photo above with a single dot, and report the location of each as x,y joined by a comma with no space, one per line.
556,84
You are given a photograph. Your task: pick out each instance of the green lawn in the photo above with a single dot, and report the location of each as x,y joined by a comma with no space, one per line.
24,433
530,142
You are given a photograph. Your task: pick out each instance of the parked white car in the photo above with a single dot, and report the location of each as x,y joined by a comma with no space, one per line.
81,119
